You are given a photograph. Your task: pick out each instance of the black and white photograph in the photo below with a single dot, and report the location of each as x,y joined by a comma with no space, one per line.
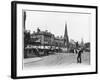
55,39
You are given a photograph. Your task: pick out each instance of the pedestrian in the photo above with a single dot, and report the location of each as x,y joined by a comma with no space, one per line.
75,51
37,51
79,52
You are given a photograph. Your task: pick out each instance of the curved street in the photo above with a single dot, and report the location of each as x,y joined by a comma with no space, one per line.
58,59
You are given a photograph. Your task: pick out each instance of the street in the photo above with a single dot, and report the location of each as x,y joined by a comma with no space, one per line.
59,59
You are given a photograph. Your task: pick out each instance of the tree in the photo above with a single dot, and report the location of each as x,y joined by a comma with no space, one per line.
26,38
87,45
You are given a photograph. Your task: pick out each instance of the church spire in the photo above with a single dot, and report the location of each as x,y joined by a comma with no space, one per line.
66,39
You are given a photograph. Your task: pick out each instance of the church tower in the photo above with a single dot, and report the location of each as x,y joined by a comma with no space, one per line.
66,39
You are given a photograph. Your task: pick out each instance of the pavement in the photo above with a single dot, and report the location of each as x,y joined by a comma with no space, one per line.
58,59
29,60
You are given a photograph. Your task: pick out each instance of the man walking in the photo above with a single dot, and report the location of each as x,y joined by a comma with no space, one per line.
79,52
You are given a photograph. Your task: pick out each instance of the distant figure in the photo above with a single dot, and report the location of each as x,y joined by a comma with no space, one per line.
79,52
38,30
37,51
75,51
77,45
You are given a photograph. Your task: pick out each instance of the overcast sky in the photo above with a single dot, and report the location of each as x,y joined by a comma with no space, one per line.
78,25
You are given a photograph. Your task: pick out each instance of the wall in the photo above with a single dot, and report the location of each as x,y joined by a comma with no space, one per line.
5,40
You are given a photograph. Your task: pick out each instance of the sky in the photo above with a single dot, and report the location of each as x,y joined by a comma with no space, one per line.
78,25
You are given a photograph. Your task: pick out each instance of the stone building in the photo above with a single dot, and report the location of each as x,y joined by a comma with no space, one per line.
48,39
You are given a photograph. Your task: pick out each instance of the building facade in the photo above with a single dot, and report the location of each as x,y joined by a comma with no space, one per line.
48,39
